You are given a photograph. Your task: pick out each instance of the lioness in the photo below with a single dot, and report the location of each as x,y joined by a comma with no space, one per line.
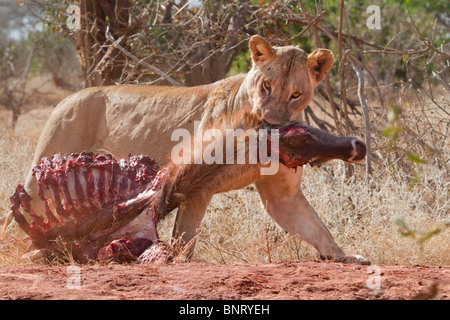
102,209
126,120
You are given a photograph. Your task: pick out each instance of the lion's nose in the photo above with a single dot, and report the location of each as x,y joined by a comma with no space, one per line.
275,118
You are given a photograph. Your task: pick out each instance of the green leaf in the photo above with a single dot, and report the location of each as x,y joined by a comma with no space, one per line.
414,158
413,182
428,235
408,233
403,229
400,222
391,131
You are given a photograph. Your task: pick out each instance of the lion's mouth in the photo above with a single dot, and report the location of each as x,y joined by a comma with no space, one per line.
292,160
291,131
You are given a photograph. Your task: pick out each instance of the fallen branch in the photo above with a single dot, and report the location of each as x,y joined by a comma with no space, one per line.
102,63
362,99
132,56
314,21
321,123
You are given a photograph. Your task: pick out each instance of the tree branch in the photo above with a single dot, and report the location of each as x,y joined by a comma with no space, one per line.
362,99
132,56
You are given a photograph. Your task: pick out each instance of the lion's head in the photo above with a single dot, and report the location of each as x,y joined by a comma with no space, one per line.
282,80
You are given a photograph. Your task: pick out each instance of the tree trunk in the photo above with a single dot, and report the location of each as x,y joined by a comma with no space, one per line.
213,60
96,15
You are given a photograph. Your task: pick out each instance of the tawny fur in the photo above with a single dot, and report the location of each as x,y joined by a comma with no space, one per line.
126,120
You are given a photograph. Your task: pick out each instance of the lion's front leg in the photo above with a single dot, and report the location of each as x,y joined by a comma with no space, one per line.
283,199
187,223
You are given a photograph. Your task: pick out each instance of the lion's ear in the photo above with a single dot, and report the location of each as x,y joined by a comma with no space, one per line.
320,62
260,49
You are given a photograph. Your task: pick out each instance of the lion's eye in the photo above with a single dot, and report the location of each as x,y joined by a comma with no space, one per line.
296,95
267,84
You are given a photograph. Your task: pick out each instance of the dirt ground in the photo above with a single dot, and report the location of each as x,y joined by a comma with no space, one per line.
288,280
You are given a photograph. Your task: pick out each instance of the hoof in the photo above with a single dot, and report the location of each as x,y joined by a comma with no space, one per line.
357,259
156,253
36,254
123,250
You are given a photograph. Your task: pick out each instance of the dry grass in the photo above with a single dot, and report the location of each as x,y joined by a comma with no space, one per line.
15,159
360,217
361,220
